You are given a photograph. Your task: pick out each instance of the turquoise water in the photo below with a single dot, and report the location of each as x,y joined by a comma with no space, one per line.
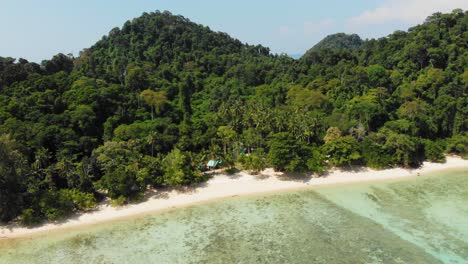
422,220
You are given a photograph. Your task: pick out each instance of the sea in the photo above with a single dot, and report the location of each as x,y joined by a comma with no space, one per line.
414,220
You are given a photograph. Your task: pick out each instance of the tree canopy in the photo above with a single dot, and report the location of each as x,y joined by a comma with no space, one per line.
154,100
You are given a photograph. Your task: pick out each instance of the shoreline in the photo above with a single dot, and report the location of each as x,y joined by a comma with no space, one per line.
224,186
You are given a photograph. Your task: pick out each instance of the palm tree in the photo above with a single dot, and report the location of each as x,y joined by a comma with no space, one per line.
227,136
64,167
42,159
151,139
156,100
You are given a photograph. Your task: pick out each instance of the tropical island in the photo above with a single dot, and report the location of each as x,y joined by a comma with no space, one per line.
153,103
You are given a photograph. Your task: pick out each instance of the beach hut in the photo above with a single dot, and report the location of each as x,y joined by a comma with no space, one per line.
212,164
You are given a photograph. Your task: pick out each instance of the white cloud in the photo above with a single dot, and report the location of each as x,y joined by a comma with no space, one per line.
405,11
318,27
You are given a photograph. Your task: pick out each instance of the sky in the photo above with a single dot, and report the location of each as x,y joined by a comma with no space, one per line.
38,29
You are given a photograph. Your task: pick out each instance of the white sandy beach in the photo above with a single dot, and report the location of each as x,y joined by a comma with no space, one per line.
222,186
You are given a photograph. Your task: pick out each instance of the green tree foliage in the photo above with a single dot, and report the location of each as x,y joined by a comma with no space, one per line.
305,99
156,98
375,153
404,148
255,162
458,145
29,218
59,62
13,170
316,160
136,79
286,154
282,150
227,136
56,205
434,151
339,41
377,75
125,170
342,151
177,168
333,133
252,138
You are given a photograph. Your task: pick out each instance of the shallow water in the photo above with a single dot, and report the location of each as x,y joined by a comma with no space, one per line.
422,220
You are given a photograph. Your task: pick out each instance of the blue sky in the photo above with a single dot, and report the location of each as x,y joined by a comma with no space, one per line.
38,29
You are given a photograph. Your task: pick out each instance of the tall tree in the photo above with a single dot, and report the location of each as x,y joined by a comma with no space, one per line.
156,100
13,172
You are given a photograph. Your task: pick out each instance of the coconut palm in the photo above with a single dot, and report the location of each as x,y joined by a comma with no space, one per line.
151,139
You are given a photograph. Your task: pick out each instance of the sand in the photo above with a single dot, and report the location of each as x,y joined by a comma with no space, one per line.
222,186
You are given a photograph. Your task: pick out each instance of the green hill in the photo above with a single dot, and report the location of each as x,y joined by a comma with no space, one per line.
150,103
339,41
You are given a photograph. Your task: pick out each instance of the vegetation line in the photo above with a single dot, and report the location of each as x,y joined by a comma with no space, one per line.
151,103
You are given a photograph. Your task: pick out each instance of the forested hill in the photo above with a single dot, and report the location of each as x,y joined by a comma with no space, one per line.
339,41
152,102
163,40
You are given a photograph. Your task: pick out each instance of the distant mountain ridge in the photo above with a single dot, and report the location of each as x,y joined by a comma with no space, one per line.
339,41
